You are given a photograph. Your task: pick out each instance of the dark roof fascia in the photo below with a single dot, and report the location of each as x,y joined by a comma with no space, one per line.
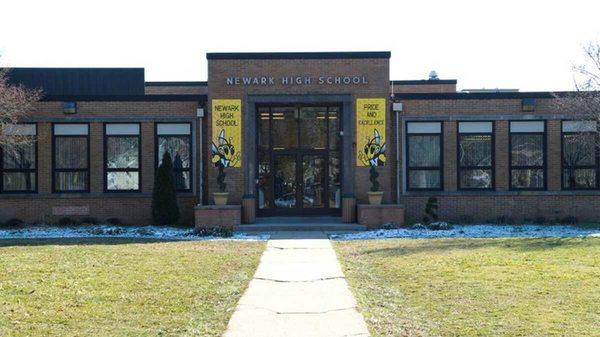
481,95
177,84
125,98
422,82
300,55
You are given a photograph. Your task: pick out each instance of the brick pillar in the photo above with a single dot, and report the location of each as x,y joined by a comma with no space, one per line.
501,156
44,164
147,160
349,209
248,209
553,155
96,158
449,154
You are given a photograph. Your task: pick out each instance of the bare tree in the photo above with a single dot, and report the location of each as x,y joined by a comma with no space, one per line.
16,102
582,144
584,102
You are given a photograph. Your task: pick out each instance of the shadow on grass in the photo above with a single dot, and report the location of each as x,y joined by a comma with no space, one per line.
81,241
419,246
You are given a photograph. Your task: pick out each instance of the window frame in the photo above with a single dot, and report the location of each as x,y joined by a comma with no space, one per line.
191,144
105,152
543,167
55,170
419,168
596,167
34,170
492,168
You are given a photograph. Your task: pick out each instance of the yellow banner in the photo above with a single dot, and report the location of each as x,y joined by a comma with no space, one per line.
226,147
370,131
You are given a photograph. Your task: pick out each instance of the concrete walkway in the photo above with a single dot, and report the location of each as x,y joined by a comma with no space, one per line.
299,289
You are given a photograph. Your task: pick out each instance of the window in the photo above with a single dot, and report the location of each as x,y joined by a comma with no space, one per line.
71,157
528,155
424,155
122,157
176,140
475,155
579,156
18,164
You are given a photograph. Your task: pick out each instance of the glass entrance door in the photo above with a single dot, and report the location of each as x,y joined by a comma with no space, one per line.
298,160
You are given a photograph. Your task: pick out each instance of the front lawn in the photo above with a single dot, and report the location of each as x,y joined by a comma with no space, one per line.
120,287
476,287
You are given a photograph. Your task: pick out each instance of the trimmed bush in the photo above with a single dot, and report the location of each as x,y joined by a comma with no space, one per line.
114,221
218,231
66,221
90,221
431,209
164,198
12,223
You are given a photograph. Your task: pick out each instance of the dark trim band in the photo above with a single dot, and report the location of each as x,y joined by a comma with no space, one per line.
300,55
125,98
177,84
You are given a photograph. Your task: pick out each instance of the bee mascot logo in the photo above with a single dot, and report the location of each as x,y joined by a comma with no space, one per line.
374,151
224,153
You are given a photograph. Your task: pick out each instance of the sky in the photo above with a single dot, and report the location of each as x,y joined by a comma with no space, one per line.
528,45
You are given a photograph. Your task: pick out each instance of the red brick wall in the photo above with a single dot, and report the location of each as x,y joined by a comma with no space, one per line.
377,71
457,205
133,208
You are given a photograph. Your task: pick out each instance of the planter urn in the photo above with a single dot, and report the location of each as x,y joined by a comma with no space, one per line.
375,197
221,198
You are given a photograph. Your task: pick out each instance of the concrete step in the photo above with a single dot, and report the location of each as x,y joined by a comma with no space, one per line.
306,227
300,223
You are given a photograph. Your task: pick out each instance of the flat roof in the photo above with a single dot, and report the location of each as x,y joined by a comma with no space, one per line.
176,84
125,98
300,55
422,82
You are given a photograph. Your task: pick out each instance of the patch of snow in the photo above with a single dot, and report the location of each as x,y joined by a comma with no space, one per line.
474,231
109,231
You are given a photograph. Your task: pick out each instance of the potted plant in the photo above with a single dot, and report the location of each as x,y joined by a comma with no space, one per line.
375,195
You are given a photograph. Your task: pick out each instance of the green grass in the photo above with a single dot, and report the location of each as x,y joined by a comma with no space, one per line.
476,287
114,287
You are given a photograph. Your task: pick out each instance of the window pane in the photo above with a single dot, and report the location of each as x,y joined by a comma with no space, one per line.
178,148
334,129
527,150
122,129
313,127
21,157
579,149
475,127
579,178
71,129
285,127
527,178
424,179
173,129
71,152
122,181
424,127
529,126
424,151
18,181
263,129
71,181
122,152
182,180
579,126
265,186
476,178
335,187
475,150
